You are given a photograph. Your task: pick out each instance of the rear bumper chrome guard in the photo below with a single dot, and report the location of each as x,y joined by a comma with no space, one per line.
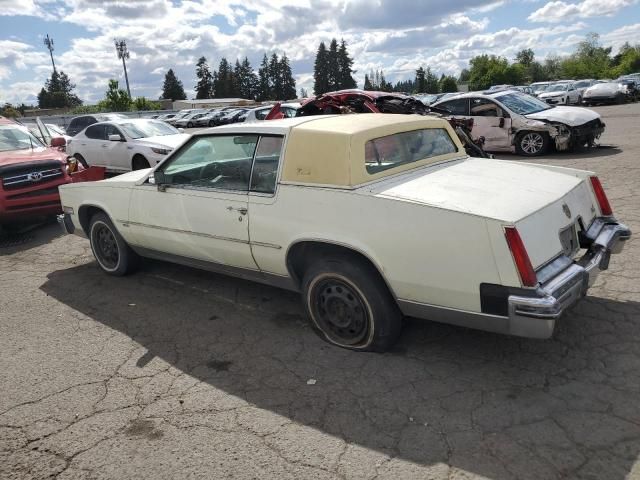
535,316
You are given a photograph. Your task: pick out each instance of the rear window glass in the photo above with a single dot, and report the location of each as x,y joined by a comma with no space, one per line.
407,147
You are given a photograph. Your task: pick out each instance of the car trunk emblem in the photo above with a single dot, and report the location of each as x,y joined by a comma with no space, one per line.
34,177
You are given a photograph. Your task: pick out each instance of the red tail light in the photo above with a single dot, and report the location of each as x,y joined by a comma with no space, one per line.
603,201
520,257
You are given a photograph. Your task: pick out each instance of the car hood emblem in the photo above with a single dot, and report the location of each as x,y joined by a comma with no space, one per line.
566,210
35,176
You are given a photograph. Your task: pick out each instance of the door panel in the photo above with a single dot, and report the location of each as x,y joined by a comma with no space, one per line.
199,205
115,154
490,122
205,225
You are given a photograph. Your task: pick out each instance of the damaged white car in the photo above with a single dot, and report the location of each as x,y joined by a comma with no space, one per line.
514,122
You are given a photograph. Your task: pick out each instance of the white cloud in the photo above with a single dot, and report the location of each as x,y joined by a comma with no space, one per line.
560,11
616,38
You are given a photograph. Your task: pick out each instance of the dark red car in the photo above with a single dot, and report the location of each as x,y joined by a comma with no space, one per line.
30,173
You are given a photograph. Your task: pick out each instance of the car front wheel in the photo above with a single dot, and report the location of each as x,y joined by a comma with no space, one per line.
349,304
532,144
112,253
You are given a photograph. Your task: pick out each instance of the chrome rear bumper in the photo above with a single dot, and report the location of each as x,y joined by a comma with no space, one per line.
535,316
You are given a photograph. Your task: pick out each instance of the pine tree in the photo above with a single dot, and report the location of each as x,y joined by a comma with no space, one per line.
204,88
288,82
224,83
58,92
420,80
264,84
367,82
345,63
333,68
276,80
246,80
430,82
320,77
172,87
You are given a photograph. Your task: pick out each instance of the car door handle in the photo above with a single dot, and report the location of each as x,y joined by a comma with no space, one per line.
242,210
104,145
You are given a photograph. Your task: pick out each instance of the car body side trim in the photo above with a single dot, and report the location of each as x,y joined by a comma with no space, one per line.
267,278
126,223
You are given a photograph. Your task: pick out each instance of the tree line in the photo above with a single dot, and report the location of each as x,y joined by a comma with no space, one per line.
333,70
273,81
589,60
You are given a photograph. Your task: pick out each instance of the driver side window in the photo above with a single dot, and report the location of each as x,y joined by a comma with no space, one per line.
481,107
218,161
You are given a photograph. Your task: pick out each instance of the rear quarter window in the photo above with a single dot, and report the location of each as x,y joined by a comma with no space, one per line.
406,147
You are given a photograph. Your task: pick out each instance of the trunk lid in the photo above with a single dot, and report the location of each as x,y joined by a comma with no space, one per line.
544,204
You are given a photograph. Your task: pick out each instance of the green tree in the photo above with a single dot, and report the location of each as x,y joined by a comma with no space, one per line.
172,88
264,80
333,68
525,57
9,111
420,80
367,82
58,92
204,87
116,99
320,70
448,84
465,75
288,82
626,61
142,104
487,70
275,78
431,84
246,80
224,87
345,64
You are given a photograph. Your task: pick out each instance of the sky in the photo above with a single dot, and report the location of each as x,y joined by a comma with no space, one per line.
397,36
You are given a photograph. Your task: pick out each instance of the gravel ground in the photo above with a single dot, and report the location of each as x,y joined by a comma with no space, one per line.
176,373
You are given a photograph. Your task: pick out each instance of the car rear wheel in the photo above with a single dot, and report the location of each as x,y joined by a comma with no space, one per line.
189,125
112,253
212,123
532,144
139,162
349,304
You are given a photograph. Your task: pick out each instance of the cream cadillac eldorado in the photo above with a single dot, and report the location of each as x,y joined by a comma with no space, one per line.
371,217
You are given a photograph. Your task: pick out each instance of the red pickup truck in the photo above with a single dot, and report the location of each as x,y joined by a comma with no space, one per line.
30,173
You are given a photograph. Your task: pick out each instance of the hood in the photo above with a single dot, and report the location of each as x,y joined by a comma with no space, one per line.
28,155
603,88
498,189
171,141
572,116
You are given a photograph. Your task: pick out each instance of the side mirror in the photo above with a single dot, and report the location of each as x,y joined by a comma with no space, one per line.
58,142
159,179
116,138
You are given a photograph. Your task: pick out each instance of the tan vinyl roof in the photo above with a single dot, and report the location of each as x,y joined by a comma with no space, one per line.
330,150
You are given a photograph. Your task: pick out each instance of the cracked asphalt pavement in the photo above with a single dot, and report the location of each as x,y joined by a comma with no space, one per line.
177,373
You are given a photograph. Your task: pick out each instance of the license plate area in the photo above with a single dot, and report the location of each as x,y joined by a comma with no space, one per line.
569,240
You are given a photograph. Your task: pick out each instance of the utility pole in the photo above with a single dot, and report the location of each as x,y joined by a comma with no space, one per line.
123,53
49,44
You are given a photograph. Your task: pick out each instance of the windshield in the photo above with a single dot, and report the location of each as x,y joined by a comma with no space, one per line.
584,83
16,138
540,88
522,104
559,87
148,129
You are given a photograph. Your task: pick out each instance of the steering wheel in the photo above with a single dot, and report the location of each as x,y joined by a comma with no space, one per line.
209,171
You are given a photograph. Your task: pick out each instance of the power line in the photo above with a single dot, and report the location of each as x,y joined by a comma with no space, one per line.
48,42
123,53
